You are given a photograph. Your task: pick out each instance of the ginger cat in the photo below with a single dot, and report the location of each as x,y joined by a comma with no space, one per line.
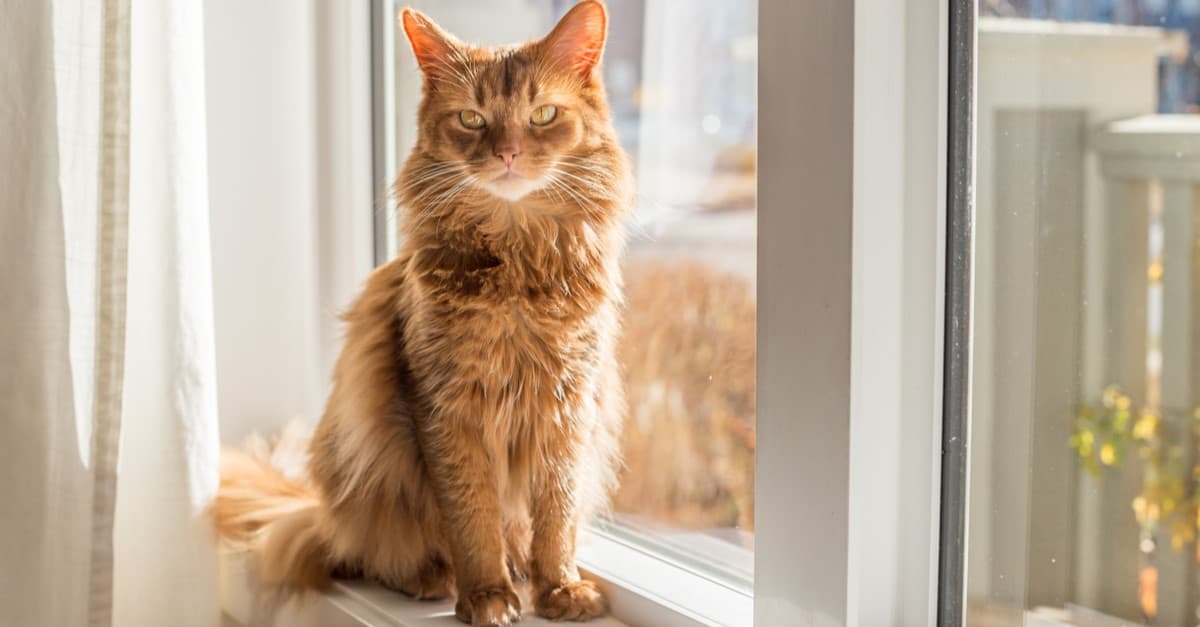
475,412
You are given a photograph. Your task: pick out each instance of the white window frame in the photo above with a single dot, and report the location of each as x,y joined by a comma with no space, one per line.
899,258
851,284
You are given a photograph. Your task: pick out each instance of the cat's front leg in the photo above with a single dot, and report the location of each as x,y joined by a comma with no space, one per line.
468,497
559,593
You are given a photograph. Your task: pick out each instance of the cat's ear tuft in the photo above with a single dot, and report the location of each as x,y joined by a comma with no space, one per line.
577,42
432,46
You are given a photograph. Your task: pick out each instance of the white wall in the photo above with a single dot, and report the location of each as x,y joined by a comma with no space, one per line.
288,94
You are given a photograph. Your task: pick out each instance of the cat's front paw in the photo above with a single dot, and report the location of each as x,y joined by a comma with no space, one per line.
496,606
577,600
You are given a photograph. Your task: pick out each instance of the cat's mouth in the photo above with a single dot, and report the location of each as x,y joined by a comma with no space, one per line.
509,175
511,185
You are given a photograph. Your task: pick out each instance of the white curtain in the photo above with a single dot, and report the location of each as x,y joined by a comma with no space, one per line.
108,426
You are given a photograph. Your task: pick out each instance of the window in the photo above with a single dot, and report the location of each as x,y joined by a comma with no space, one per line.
1084,472
681,80
846,135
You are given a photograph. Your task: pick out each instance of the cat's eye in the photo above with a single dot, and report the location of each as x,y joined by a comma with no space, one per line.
471,119
543,115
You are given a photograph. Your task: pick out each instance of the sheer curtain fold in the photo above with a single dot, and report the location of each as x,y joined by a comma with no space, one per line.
108,427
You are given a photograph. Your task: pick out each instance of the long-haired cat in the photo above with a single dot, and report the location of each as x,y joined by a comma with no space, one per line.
475,409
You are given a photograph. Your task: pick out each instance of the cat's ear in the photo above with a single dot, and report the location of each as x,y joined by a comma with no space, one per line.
432,46
577,42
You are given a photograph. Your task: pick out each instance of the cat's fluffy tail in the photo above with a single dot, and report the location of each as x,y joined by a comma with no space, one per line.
260,509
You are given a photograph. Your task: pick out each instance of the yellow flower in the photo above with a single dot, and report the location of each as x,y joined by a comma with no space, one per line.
1139,510
1108,454
1143,429
1086,440
1123,402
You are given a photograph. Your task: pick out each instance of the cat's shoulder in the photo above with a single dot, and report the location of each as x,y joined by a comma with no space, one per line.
390,274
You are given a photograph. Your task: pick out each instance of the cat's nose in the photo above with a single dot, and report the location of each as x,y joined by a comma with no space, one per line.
508,153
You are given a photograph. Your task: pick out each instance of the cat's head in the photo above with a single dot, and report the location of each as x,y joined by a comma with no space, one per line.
517,121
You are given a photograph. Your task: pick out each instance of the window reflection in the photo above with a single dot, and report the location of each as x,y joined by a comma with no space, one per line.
1084,501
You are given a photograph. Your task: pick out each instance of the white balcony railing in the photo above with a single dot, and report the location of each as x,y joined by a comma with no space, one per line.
1072,175
1151,167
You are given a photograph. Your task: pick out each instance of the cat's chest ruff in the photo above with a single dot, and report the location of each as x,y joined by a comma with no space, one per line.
527,335
521,328
512,304
556,283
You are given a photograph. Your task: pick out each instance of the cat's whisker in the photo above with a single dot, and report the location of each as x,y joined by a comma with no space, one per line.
597,177
428,205
591,159
551,189
589,208
429,183
589,162
424,189
442,199
553,186
599,180
440,166
588,185
450,195
422,178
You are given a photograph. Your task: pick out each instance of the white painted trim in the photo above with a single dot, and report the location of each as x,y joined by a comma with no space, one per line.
900,115
805,193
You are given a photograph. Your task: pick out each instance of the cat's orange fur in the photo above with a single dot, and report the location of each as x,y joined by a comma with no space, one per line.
475,411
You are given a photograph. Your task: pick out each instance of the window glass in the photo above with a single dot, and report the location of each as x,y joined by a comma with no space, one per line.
681,81
1083,493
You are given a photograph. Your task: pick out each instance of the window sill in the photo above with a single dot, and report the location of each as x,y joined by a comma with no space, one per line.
642,590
